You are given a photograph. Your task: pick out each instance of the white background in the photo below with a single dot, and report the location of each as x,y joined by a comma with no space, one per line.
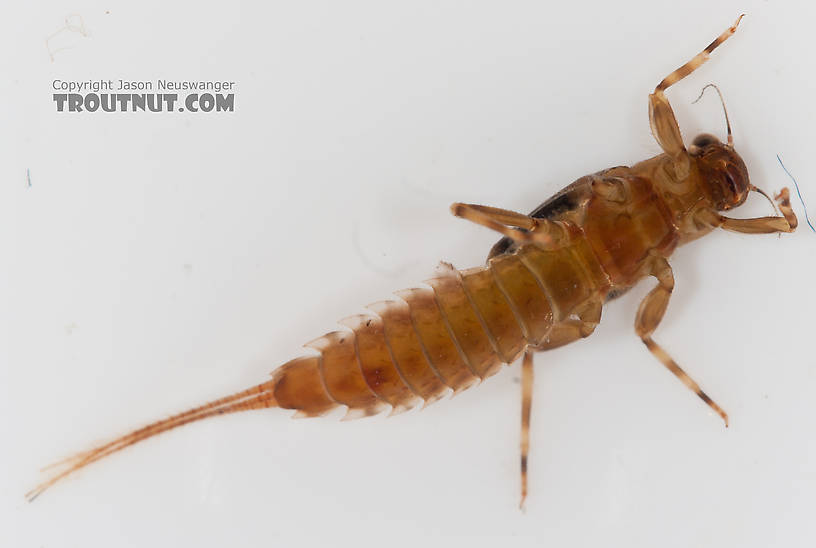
157,261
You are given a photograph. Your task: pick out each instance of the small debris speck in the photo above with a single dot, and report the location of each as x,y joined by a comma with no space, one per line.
73,25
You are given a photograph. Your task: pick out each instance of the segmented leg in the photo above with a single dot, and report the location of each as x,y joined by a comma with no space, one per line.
764,225
698,59
661,116
571,330
563,333
526,402
520,228
648,318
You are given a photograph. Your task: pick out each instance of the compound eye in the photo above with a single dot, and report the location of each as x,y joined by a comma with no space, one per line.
732,185
704,139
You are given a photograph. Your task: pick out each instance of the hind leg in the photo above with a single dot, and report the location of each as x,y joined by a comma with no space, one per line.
516,226
567,331
526,402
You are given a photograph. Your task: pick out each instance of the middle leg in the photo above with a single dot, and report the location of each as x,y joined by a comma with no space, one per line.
648,318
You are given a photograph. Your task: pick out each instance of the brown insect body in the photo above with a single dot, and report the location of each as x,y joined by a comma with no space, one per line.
614,223
543,286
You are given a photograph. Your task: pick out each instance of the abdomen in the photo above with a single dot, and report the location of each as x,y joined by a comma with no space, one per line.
446,337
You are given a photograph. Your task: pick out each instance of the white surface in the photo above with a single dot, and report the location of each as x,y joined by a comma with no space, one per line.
161,260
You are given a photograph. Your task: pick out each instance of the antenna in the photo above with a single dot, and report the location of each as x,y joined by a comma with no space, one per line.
727,122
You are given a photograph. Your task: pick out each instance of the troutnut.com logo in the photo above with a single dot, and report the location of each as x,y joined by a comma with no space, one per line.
144,95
